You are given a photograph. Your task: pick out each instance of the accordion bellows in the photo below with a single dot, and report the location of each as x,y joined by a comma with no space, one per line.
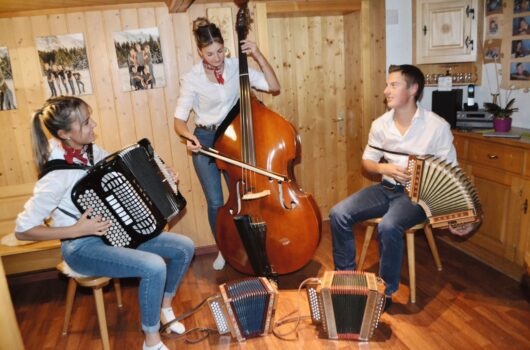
443,191
245,308
347,304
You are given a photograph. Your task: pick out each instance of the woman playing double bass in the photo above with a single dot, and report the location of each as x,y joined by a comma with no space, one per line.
211,89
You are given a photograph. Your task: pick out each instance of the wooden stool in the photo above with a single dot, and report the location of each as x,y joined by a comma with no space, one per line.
372,223
96,283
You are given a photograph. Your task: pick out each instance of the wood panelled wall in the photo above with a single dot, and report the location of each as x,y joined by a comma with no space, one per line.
308,55
319,61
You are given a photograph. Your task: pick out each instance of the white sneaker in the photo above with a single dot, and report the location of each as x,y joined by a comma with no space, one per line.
167,315
219,262
159,346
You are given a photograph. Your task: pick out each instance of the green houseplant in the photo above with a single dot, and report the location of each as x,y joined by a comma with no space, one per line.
502,121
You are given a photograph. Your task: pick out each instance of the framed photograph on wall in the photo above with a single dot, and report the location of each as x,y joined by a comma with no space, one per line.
521,26
64,64
140,61
493,27
493,6
521,6
520,48
7,88
520,71
492,50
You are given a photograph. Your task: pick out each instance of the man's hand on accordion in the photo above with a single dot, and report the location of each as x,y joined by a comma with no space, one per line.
401,175
91,225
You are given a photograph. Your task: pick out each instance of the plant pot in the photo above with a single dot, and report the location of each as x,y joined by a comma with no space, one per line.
502,125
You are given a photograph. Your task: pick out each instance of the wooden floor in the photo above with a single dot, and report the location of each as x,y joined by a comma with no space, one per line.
466,306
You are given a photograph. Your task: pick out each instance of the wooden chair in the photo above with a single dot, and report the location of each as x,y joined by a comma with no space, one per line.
96,283
370,227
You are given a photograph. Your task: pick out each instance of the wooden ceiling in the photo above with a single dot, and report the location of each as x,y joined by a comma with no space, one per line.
276,6
14,6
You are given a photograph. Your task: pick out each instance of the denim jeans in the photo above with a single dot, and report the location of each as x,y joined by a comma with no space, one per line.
209,176
398,214
91,256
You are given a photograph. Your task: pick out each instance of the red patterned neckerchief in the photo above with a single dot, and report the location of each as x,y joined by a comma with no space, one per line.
71,153
217,71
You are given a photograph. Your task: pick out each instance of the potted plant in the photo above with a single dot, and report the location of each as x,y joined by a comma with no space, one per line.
502,121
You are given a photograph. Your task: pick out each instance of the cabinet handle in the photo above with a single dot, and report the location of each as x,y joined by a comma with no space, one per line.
493,156
470,11
525,206
424,30
469,42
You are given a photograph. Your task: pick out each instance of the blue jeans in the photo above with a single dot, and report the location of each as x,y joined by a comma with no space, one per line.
209,176
91,256
398,214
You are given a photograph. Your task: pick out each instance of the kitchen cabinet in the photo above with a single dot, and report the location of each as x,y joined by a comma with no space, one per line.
500,172
446,31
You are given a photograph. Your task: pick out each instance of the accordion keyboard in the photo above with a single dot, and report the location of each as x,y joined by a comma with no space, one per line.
119,187
116,235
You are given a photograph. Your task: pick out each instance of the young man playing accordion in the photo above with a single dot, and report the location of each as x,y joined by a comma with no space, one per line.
406,128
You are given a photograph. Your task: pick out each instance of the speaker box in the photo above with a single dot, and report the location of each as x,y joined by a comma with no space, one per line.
446,103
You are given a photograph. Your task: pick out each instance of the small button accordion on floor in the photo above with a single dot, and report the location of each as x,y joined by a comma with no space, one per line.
245,308
346,304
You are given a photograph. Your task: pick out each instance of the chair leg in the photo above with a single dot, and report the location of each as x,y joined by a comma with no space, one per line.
100,307
412,266
70,295
117,289
366,243
432,244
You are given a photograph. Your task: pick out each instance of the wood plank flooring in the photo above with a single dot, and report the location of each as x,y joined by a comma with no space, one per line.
468,305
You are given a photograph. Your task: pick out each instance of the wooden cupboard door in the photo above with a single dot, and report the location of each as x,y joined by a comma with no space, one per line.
446,31
501,196
522,253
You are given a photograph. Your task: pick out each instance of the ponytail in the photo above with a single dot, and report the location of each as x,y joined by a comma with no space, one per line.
39,141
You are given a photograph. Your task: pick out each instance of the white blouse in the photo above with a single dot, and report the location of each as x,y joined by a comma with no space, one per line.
211,101
52,191
428,134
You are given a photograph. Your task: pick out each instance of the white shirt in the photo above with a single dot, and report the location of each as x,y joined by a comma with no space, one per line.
52,191
211,101
428,134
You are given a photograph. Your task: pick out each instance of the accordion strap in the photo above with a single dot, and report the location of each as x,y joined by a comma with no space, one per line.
61,164
387,151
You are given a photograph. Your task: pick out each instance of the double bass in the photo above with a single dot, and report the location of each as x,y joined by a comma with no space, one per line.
268,225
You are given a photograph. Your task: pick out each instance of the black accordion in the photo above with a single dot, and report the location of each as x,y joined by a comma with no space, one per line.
443,191
245,308
347,304
133,190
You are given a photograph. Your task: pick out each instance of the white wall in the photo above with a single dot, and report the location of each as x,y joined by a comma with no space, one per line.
399,51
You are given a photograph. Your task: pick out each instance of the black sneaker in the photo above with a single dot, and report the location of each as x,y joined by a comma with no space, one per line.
388,303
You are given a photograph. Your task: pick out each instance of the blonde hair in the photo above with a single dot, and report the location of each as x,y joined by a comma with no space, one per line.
57,113
206,33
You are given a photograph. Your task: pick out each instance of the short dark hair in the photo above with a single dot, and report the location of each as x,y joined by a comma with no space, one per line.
413,75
